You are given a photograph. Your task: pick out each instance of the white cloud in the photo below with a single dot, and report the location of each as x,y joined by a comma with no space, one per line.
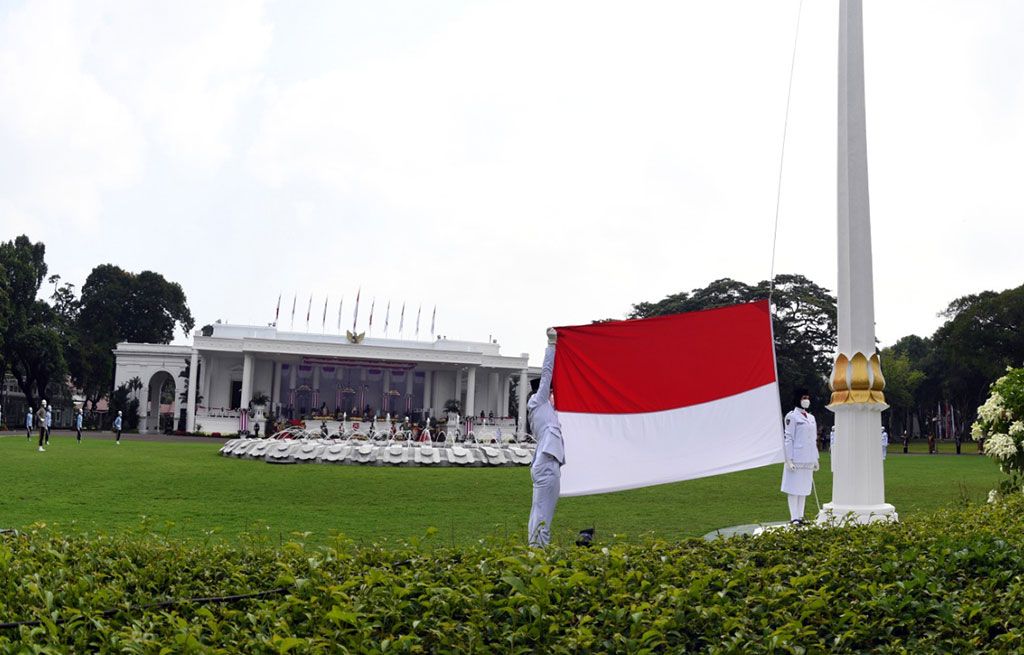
66,140
519,163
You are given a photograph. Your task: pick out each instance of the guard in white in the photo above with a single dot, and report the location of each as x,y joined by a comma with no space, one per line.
801,431
832,448
549,457
885,443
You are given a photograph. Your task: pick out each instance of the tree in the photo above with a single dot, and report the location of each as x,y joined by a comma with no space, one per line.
804,322
974,347
32,343
185,373
125,399
116,306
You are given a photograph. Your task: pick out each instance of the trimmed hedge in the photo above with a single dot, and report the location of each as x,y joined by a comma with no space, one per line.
949,583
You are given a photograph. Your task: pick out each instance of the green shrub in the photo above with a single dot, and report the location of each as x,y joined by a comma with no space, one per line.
953,582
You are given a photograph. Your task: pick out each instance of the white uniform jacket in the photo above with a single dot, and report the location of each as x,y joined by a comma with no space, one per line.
543,417
801,434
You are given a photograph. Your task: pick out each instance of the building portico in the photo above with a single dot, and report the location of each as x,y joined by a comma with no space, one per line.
301,375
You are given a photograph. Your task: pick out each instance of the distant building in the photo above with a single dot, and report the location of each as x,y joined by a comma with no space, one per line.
305,374
14,404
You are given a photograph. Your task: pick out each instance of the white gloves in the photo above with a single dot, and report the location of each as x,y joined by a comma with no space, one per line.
790,465
552,336
815,466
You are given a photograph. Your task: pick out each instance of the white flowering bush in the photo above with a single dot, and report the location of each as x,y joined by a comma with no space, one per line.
1000,425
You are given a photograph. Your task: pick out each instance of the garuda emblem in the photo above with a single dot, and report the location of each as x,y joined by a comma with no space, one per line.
354,338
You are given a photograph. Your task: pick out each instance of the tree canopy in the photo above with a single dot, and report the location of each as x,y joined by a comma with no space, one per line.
42,343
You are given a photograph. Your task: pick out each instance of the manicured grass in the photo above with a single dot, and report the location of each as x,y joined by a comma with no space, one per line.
191,492
943,447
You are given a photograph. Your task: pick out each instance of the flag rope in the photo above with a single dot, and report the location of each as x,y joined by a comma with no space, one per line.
782,153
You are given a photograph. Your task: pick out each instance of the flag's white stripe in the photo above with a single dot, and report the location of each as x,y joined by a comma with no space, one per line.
613,452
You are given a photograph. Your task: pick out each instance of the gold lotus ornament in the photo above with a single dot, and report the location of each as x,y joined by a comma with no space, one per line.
857,381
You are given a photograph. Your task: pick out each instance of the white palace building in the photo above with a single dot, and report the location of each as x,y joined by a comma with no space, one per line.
306,374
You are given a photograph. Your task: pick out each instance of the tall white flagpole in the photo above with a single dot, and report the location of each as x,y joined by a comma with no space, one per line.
858,487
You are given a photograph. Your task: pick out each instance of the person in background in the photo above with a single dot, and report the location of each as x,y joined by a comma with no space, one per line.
117,427
78,426
831,448
49,423
885,443
41,424
29,420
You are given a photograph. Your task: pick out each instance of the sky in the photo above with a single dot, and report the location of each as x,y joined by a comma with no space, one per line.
517,164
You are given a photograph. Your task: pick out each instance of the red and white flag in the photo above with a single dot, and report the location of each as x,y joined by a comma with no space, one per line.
664,399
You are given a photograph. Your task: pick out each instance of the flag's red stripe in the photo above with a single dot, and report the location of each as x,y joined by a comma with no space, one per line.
662,363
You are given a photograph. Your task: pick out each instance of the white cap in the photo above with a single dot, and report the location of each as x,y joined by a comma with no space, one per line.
118,412
44,402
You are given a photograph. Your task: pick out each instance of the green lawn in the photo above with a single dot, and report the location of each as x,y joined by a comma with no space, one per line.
192,492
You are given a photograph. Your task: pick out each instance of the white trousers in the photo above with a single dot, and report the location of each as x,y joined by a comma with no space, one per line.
547,477
796,506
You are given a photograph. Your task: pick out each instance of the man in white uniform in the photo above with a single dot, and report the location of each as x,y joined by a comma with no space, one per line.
549,457
801,457
885,443
832,449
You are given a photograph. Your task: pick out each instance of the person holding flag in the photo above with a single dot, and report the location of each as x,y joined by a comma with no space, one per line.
800,441
549,457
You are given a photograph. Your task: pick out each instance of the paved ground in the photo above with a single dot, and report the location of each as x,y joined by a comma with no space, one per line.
109,436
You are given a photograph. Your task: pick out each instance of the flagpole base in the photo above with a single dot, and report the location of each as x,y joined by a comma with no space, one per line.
837,515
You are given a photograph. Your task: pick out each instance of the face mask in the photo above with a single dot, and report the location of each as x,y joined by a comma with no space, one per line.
805,403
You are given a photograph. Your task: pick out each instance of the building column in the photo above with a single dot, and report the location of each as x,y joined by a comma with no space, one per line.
506,389
524,384
248,364
494,393
385,388
471,392
458,386
314,397
428,392
275,386
193,381
206,368
408,391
